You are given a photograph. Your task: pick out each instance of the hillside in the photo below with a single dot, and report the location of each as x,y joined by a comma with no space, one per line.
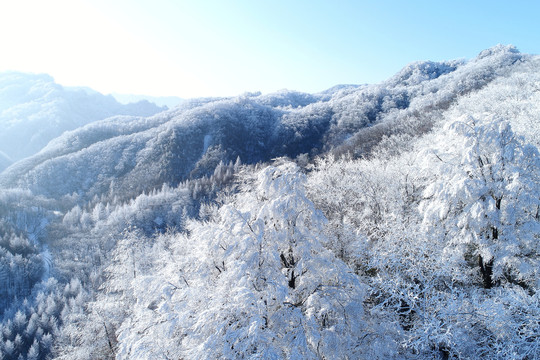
34,110
189,141
397,220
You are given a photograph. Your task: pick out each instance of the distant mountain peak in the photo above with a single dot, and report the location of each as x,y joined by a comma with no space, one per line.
498,49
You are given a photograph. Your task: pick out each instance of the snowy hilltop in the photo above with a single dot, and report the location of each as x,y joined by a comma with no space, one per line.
398,220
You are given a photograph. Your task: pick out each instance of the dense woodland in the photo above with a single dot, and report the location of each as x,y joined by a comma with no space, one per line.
399,220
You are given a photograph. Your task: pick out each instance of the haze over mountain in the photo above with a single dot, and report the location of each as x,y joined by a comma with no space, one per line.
5,161
397,220
34,110
168,101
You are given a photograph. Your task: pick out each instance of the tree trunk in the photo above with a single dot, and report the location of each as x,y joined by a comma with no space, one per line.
487,272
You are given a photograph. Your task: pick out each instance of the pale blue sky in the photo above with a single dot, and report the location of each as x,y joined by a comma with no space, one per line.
222,48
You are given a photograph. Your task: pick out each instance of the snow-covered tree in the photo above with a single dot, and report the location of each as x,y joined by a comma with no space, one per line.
256,282
485,200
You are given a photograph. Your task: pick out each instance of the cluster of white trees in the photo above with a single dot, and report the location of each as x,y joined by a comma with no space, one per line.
447,237
21,267
254,281
29,329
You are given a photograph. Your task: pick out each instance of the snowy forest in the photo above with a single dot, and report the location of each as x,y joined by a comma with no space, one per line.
398,220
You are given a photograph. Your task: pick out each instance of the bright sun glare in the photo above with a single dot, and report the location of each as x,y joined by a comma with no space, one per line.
79,45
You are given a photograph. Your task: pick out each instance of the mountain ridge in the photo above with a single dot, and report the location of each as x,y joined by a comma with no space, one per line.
284,123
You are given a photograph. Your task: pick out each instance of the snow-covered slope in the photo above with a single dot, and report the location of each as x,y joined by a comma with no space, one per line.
34,110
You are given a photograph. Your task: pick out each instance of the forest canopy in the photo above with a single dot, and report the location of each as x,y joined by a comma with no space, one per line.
398,220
